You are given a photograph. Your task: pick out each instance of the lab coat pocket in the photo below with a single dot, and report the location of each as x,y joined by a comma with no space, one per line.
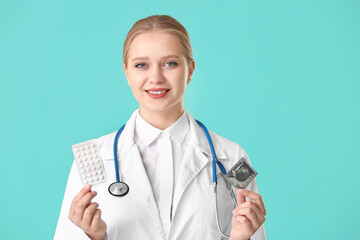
205,216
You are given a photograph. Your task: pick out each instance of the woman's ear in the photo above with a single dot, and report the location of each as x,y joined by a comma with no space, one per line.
191,70
126,72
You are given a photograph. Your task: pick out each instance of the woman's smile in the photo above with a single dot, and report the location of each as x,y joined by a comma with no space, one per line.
157,93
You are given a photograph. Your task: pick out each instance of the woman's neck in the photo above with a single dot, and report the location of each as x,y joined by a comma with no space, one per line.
161,119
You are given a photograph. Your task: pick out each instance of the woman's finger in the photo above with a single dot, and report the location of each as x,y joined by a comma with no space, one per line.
79,195
240,198
251,211
241,220
255,208
81,205
96,218
254,196
250,215
89,215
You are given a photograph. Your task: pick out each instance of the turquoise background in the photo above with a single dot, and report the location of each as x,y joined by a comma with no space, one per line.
281,78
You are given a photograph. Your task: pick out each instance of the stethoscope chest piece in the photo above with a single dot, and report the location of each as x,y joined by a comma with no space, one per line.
118,189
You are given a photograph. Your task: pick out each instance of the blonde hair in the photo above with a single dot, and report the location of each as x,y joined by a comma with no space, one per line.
163,23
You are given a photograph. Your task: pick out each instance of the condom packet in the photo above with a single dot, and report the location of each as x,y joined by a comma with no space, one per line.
241,174
88,162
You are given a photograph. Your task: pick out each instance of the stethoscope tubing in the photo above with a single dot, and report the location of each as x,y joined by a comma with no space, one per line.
115,153
215,160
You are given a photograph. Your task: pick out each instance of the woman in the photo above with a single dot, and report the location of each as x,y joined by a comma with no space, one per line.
164,157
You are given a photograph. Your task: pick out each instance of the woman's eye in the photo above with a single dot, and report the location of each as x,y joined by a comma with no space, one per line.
140,65
171,64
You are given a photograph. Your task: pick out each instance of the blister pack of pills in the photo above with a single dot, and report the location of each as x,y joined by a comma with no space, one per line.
88,161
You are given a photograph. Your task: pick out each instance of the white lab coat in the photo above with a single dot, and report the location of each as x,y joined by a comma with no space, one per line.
136,215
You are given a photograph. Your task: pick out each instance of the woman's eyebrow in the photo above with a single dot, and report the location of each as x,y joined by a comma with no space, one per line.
140,58
162,58
170,56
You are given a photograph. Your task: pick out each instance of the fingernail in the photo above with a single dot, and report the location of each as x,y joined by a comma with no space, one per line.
87,187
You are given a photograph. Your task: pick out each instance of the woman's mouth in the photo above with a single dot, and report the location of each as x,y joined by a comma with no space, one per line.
157,93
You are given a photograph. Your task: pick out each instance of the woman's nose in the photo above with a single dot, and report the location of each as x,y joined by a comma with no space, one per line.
156,75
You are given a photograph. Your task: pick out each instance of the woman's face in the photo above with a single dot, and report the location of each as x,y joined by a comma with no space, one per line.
157,72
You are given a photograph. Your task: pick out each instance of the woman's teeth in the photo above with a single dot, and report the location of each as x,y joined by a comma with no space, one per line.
157,92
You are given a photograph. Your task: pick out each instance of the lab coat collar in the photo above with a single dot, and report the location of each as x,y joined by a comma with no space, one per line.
125,144
126,139
198,138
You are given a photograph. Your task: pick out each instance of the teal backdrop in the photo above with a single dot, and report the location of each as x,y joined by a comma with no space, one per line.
281,78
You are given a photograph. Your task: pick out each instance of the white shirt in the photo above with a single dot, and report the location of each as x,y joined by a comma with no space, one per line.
162,152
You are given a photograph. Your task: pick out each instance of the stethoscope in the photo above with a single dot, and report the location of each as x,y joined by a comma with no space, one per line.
120,188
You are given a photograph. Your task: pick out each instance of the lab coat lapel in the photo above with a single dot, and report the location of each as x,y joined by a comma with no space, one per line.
196,157
140,186
134,174
193,162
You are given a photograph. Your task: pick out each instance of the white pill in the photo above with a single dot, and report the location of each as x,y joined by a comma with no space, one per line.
81,149
92,168
89,175
94,150
87,147
85,158
80,160
88,169
86,164
80,165
95,156
83,176
100,172
83,153
85,181
76,149
82,171
94,174
88,152
90,157
98,166
101,177
78,155
90,180
97,160
96,178
92,145
91,163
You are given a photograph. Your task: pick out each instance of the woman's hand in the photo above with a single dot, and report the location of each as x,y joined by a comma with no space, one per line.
248,216
86,215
